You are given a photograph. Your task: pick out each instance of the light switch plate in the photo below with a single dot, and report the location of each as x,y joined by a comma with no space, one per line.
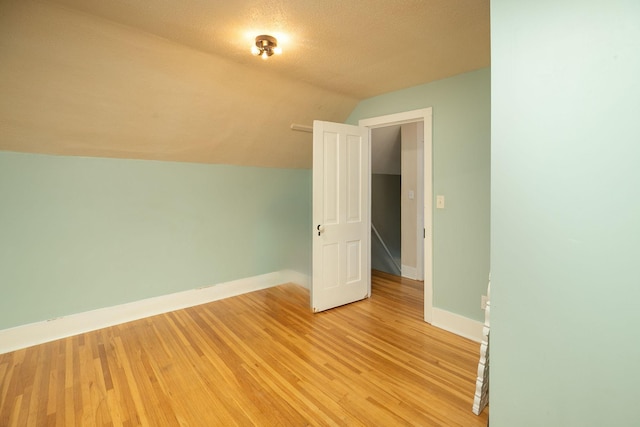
440,202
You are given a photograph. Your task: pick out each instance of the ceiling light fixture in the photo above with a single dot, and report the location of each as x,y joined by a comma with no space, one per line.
266,46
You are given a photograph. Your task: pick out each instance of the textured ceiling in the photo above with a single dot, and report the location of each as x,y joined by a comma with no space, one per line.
174,80
355,47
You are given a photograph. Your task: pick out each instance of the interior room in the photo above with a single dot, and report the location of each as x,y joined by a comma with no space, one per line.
157,199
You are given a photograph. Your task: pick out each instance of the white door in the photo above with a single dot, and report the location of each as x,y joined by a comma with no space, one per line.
341,224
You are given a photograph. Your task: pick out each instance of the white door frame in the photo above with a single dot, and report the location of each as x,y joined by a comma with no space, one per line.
424,115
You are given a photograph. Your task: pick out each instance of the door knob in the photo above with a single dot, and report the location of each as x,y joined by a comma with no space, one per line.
320,229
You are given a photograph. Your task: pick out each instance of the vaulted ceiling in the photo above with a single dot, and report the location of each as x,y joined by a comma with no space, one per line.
174,80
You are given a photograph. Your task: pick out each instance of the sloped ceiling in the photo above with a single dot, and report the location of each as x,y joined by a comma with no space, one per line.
174,80
386,146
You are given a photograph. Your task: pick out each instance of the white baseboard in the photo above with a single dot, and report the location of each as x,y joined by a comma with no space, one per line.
409,272
49,330
457,324
291,276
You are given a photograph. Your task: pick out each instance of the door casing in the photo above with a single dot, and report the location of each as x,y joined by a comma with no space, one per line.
424,115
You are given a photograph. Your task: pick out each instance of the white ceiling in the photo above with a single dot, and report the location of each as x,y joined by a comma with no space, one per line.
174,80
354,47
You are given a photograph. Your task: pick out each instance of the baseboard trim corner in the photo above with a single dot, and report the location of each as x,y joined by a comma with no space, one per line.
295,277
409,272
457,324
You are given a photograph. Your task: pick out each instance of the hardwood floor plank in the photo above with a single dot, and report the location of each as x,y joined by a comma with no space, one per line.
257,359
40,383
14,413
129,386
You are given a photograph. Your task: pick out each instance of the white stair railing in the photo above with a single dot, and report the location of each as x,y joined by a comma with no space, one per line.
481,397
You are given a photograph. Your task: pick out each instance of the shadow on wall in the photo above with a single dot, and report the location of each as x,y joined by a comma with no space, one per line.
385,216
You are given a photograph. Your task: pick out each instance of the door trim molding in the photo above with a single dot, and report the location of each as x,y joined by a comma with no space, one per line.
425,115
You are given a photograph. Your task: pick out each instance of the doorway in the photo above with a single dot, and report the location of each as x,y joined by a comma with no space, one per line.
396,200
423,192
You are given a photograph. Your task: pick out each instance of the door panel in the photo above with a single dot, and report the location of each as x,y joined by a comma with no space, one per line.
354,261
340,215
354,179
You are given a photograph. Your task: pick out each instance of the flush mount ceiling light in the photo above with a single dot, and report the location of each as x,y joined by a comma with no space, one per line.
266,46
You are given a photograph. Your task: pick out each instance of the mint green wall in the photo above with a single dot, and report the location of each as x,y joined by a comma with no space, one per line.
461,157
82,233
565,213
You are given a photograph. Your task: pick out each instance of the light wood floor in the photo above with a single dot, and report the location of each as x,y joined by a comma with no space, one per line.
257,359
